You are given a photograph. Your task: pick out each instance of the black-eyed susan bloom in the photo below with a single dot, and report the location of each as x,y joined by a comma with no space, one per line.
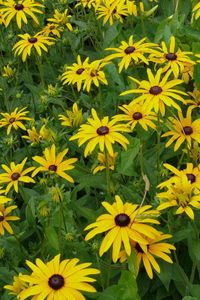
15,174
29,42
62,18
17,285
123,224
111,10
105,162
55,163
73,118
136,113
172,59
58,279
157,93
131,52
183,130
147,254
14,119
51,29
101,132
20,10
5,218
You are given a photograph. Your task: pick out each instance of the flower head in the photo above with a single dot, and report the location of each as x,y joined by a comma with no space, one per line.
17,286
157,92
60,279
5,217
61,18
111,10
8,71
103,161
101,132
20,10
55,164
73,118
51,28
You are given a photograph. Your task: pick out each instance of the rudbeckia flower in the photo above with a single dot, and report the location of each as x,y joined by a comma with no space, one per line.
53,163
136,113
14,119
157,92
101,132
123,224
146,254
172,59
131,52
20,10
112,10
51,28
15,174
8,71
5,218
28,42
61,18
58,279
73,118
195,102
183,129
103,162
17,286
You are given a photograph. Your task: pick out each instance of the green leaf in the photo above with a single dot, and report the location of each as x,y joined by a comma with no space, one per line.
52,237
189,298
132,264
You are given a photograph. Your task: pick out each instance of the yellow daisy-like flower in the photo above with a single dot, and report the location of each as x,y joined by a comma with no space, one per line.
103,162
157,92
51,28
2,21
15,174
20,10
131,52
73,118
131,7
196,99
136,113
147,253
183,195
54,163
58,279
3,198
5,217
111,10
75,74
61,18
101,132
34,136
8,71
124,223
87,3
172,59
14,119
192,173
183,129
95,74
17,286
196,10
28,42
188,73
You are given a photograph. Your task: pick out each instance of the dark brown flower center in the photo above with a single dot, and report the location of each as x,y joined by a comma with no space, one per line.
1,218
114,11
171,56
19,6
129,50
32,40
80,71
103,130
53,168
52,27
155,90
122,220
11,120
15,176
137,116
56,281
138,248
191,177
187,130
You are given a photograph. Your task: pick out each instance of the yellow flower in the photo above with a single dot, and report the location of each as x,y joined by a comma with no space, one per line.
14,119
15,174
2,21
131,52
51,28
73,118
123,224
27,42
147,253
17,286
5,217
20,10
183,195
156,92
183,129
58,280
188,73
87,3
111,10
54,163
196,98
196,10
172,59
131,7
56,193
136,113
102,132
33,136
8,71
94,74
47,134
61,19
103,164
75,74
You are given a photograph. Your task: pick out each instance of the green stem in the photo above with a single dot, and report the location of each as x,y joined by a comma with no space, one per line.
108,177
63,217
